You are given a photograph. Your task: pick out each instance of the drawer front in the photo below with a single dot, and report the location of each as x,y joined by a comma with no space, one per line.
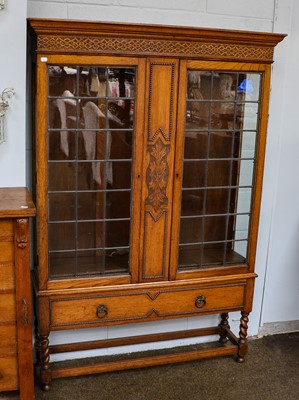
8,340
7,276
6,242
6,250
145,305
6,227
8,373
7,307
8,330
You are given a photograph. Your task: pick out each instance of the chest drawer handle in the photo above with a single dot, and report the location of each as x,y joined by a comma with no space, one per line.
102,311
200,301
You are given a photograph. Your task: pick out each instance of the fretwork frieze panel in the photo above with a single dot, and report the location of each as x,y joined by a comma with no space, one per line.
79,44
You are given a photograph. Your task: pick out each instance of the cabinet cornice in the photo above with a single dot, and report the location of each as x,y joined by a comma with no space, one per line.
73,37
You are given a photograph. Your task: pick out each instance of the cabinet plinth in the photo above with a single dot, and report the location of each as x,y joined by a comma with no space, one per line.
150,145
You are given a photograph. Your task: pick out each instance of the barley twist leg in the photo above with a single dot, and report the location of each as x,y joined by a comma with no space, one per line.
242,337
223,326
45,371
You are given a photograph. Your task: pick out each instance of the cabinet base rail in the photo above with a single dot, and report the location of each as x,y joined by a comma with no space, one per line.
237,346
143,362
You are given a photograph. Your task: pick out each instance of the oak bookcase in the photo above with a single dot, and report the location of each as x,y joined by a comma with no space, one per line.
150,145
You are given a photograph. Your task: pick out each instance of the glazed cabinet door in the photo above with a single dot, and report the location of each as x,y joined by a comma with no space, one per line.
89,168
147,169
219,157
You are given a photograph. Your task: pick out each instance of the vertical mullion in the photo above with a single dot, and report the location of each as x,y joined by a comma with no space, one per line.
48,163
257,133
230,174
103,227
76,172
47,188
206,172
132,140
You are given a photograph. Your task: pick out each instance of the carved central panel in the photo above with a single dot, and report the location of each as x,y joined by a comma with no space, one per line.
157,175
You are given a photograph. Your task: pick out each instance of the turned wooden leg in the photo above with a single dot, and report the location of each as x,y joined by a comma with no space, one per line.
242,338
45,371
223,326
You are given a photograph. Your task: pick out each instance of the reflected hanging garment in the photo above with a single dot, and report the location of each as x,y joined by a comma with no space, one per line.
94,118
227,93
62,107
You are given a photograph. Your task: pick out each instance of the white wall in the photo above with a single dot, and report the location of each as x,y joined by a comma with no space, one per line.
234,14
13,74
277,288
277,291
281,300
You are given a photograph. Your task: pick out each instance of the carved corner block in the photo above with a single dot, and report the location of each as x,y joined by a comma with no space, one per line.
22,226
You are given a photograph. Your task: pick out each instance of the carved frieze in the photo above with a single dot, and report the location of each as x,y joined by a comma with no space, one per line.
177,48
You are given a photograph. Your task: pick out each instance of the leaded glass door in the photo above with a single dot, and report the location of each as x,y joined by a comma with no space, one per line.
219,132
91,134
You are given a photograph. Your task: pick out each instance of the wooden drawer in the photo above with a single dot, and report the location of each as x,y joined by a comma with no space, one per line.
7,276
6,250
7,307
145,305
8,340
6,227
8,373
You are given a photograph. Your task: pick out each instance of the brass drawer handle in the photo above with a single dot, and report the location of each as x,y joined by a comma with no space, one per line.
102,311
200,301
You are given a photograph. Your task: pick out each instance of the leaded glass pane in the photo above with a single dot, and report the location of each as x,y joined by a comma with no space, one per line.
90,152
221,128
